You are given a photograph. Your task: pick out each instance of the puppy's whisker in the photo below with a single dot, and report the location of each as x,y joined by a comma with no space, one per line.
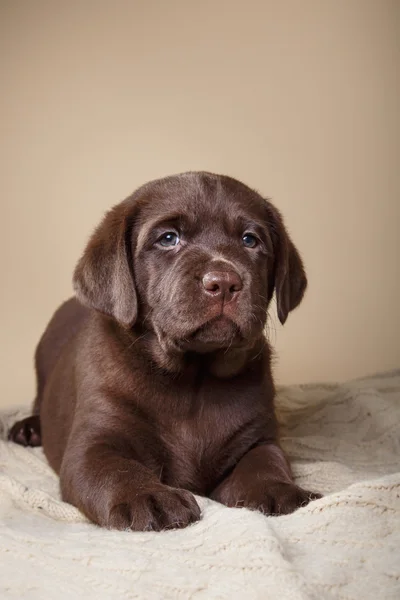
263,297
148,315
230,344
271,327
137,339
255,317
258,354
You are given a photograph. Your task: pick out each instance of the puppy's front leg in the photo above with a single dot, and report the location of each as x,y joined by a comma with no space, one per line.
262,480
118,492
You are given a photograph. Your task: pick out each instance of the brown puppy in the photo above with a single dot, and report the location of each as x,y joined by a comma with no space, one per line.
156,381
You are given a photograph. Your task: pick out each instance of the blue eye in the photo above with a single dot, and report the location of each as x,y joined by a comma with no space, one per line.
249,240
168,239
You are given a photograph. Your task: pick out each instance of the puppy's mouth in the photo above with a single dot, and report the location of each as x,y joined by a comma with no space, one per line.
219,332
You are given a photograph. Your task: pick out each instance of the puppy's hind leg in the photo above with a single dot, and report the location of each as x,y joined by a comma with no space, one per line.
26,432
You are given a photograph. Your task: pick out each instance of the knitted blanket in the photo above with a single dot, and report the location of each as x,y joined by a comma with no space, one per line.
343,441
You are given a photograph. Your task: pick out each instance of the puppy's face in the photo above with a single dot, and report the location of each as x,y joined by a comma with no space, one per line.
202,252
195,258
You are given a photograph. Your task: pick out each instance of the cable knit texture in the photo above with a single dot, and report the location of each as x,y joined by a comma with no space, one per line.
343,441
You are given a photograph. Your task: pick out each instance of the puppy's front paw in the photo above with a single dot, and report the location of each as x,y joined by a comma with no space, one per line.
269,496
280,498
154,510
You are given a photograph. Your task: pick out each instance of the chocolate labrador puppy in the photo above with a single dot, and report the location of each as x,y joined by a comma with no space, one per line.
155,382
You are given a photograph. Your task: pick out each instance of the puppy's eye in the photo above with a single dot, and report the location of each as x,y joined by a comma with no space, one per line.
249,240
168,239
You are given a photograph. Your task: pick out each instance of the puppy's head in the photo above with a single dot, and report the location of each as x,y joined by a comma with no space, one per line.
194,258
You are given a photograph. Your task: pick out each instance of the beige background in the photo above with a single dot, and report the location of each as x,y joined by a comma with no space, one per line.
299,99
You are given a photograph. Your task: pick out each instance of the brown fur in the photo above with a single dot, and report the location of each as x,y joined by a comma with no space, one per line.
155,383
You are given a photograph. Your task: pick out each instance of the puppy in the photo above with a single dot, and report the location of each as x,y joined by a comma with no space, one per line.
155,382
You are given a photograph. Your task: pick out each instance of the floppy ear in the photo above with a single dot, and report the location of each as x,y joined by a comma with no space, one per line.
289,279
103,278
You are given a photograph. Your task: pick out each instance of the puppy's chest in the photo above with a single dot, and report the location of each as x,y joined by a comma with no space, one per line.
201,447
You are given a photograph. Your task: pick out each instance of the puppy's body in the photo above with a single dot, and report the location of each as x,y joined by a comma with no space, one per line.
189,429
161,385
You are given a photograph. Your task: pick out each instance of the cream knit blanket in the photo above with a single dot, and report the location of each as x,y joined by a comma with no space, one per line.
344,441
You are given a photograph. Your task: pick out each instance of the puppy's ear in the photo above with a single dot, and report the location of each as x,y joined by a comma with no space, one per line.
289,278
103,278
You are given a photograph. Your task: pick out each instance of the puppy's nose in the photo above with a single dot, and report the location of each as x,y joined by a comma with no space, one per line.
223,284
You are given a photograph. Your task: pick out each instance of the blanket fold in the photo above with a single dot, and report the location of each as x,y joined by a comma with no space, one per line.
343,441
